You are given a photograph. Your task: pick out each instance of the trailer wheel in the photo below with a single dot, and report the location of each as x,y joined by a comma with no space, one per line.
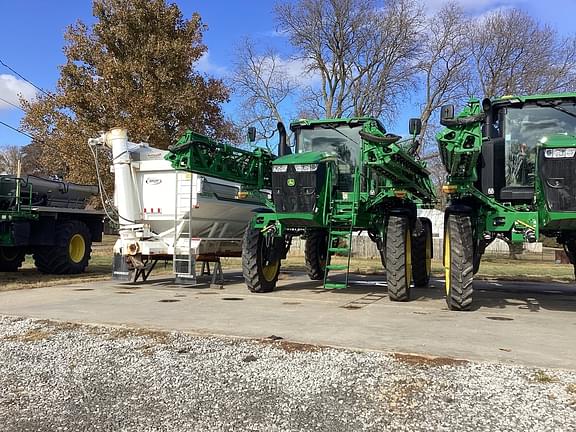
11,258
315,251
71,253
259,273
458,262
398,258
422,253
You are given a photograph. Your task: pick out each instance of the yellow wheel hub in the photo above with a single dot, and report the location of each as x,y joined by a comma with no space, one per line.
428,254
447,261
269,271
77,248
8,254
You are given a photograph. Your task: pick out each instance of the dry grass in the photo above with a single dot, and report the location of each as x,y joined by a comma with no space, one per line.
403,394
429,361
543,378
32,335
158,336
291,347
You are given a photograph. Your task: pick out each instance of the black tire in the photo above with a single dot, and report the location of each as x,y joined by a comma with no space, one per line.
570,249
398,258
458,261
70,254
260,277
422,252
477,260
11,258
315,252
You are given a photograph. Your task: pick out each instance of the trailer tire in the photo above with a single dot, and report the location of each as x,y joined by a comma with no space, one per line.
70,254
422,253
259,277
458,261
11,258
315,251
398,258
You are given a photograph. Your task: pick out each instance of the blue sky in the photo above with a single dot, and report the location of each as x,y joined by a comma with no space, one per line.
32,32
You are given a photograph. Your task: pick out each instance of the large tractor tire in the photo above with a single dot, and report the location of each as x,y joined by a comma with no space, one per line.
315,252
458,261
570,249
259,273
398,258
71,253
422,252
11,258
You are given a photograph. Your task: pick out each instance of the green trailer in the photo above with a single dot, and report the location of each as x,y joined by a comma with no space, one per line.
338,177
48,219
511,164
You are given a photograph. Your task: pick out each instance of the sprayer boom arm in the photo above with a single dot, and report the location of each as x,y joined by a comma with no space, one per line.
199,154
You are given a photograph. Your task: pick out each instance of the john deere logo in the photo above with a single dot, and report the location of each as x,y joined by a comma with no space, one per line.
291,182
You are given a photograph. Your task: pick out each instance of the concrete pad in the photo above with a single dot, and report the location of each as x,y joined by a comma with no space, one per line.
518,322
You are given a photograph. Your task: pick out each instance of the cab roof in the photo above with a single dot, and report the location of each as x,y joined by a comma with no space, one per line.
310,123
511,99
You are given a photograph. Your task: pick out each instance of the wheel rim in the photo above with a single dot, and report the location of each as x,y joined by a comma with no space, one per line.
428,253
447,261
77,248
408,271
269,271
7,256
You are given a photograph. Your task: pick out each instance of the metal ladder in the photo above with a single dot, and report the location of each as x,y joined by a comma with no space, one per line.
184,259
340,228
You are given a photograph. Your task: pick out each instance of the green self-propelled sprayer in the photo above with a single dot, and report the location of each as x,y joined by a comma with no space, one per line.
340,176
511,164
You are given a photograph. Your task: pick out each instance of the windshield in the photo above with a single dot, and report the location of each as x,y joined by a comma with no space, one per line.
341,140
524,127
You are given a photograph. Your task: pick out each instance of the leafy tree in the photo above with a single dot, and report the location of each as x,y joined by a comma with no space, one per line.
133,68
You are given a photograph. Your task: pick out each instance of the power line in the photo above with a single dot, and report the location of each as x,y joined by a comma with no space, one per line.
26,79
47,147
19,131
11,103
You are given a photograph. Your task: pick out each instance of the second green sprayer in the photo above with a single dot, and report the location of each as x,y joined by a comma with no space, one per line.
336,177
511,164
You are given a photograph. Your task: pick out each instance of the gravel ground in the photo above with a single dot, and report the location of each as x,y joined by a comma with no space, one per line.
59,376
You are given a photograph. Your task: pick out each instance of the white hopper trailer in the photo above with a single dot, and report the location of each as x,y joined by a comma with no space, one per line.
168,215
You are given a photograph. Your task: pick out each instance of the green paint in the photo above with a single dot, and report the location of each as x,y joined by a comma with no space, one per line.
514,118
361,174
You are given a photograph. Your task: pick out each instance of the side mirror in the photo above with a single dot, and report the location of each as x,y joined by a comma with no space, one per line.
251,135
446,114
283,147
414,126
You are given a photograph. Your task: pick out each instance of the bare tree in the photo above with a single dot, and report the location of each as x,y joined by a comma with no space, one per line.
264,84
9,157
514,54
444,65
363,51
28,157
